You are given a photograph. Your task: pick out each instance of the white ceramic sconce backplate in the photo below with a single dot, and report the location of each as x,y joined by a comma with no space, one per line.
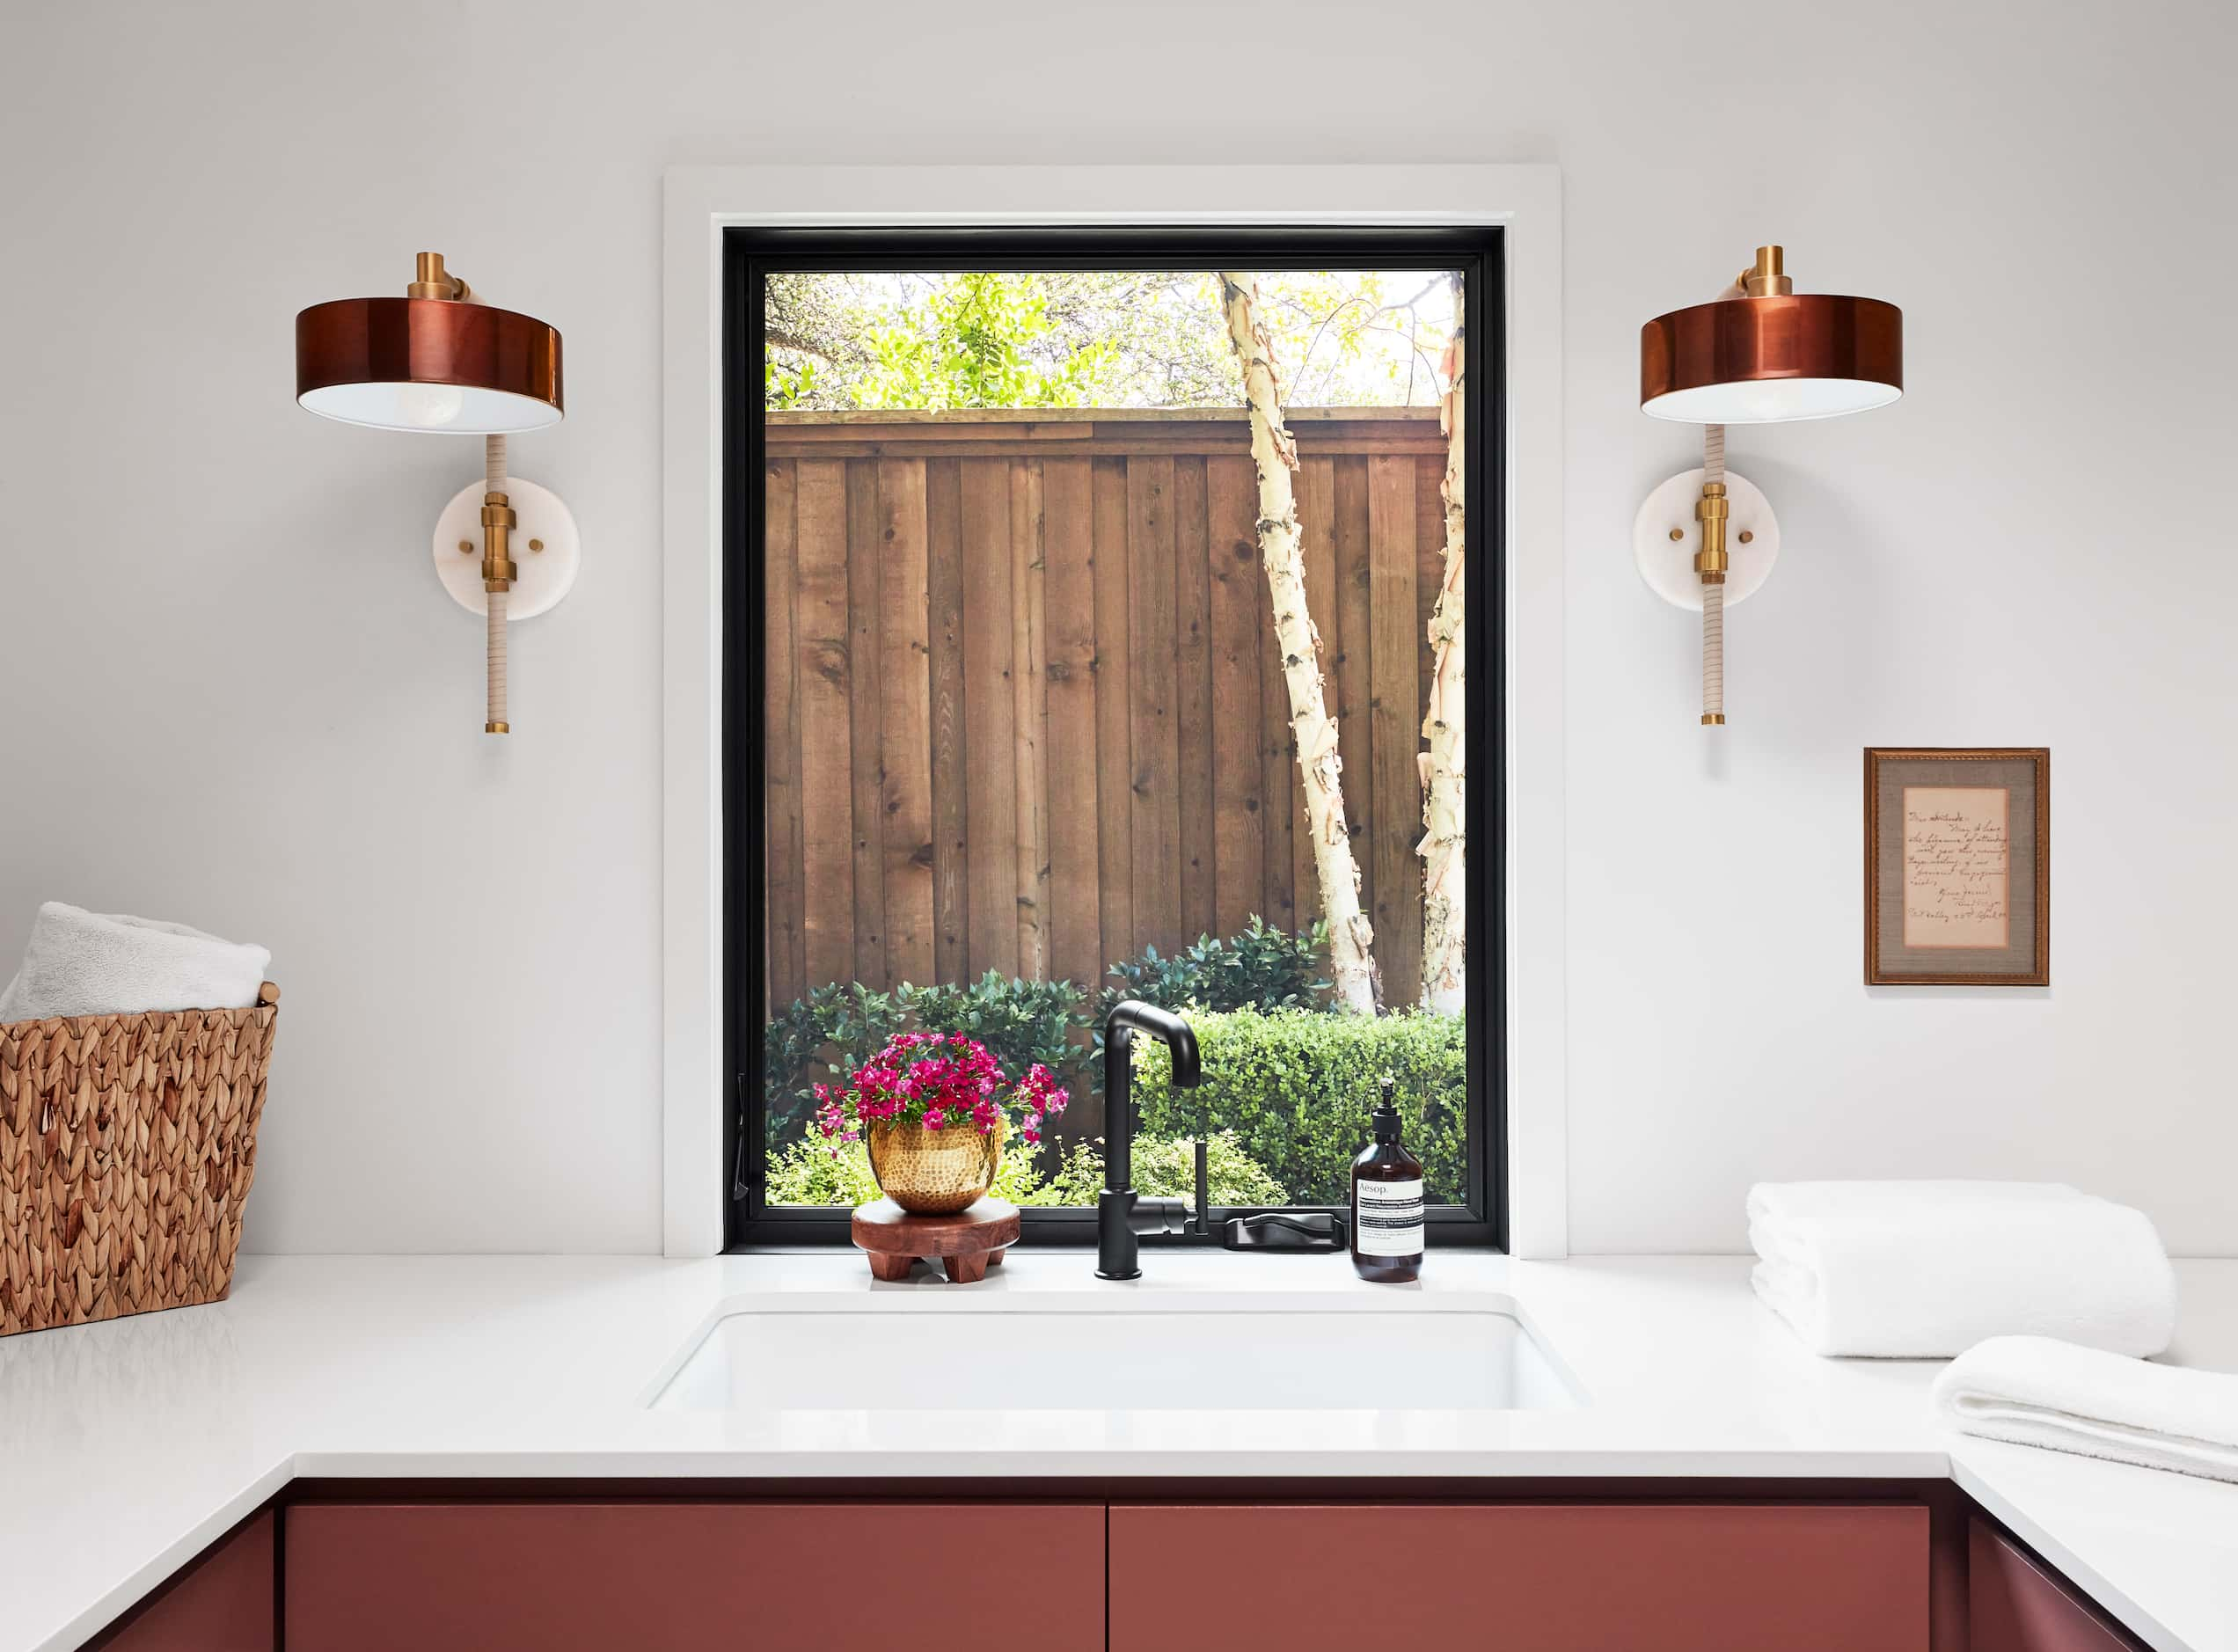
1667,563
545,576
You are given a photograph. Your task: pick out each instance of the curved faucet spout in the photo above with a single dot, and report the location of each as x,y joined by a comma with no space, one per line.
1163,1025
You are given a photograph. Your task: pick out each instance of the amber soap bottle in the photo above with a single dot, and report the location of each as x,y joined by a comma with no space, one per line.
1386,1202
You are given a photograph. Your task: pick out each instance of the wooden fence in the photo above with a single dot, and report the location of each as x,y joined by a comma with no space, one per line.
1023,711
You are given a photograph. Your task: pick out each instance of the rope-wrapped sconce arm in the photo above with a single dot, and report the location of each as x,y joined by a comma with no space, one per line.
1710,563
498,573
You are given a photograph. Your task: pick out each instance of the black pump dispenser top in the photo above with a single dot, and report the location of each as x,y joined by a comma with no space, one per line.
1383,1121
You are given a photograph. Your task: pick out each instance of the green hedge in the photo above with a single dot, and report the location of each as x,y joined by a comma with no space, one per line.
809,1172
1296,1085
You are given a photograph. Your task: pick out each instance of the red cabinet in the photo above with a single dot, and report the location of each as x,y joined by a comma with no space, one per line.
652,1576
220,1602
552,1575
1565,1577
2014,1604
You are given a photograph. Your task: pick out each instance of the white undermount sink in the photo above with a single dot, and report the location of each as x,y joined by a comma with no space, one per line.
1090,1352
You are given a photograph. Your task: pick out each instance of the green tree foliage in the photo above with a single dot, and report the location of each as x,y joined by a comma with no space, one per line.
1094,338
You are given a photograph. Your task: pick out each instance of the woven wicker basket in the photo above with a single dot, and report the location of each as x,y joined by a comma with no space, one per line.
127,1146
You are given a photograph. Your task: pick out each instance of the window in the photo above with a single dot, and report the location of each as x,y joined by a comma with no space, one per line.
1008,731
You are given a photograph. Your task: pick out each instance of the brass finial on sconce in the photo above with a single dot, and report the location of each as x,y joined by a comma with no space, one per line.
433,282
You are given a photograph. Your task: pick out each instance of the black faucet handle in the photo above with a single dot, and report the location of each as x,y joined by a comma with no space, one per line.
1204,1224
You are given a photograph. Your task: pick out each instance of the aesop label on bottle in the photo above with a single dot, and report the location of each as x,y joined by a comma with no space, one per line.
1387,1218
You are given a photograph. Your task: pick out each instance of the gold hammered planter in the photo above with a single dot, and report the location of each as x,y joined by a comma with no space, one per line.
934,1173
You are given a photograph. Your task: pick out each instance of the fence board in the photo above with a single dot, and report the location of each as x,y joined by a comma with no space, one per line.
1023,711
1028,621
905,725
1239,592
789,969
1068,545
990,719
1396,722
1193,597
944,628
1430,563
866,741
1154,634
1114,764
827,795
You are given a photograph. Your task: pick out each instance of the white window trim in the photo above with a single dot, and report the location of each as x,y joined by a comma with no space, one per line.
701,202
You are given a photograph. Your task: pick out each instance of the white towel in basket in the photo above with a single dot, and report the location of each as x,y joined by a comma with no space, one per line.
98,963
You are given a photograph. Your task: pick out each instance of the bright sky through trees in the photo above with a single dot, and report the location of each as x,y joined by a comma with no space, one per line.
1097,339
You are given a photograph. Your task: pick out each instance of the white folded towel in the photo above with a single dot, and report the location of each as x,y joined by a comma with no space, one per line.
2035,1390
1924,1270
96,963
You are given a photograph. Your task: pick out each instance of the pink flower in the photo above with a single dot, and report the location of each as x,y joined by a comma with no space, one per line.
938,1080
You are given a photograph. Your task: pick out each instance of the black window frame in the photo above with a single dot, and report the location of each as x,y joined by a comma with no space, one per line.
750,254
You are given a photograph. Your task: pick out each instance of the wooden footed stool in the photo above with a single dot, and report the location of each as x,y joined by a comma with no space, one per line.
966,1244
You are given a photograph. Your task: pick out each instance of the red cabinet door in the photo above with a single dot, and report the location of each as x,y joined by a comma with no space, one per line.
652,1577
222,1602
1552,1578
2014,1604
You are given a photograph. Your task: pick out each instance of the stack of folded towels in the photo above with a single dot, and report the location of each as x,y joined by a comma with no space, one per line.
1926,1269
103,963
2051,1301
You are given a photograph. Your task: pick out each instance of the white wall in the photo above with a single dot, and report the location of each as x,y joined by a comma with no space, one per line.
239,698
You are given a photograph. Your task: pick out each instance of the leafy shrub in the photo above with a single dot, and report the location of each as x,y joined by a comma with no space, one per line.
808,1173
1020,1022
1262,968
1296,1085
1165,1167
826,1035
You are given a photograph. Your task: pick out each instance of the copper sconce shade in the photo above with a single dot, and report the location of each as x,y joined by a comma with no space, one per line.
439,364
1759,353
1767,359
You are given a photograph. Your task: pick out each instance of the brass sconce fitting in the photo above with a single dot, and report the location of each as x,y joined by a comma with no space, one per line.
1768,278
433,281
498,523
1711,511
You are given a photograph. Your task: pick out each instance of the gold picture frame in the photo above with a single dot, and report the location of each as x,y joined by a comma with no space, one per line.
1958,865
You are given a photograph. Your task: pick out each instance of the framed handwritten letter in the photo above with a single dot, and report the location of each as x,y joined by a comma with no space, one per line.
1957,867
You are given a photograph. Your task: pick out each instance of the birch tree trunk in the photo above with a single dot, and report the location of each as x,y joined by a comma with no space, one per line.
1444,845
1351,937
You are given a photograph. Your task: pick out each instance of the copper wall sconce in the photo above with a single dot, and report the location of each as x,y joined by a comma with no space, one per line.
435,360
1760,352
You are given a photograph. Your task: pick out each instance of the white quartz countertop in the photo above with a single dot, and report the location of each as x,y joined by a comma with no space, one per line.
126,1447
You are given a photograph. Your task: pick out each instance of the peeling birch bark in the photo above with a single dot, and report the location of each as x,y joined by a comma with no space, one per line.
1444,845
1351,937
